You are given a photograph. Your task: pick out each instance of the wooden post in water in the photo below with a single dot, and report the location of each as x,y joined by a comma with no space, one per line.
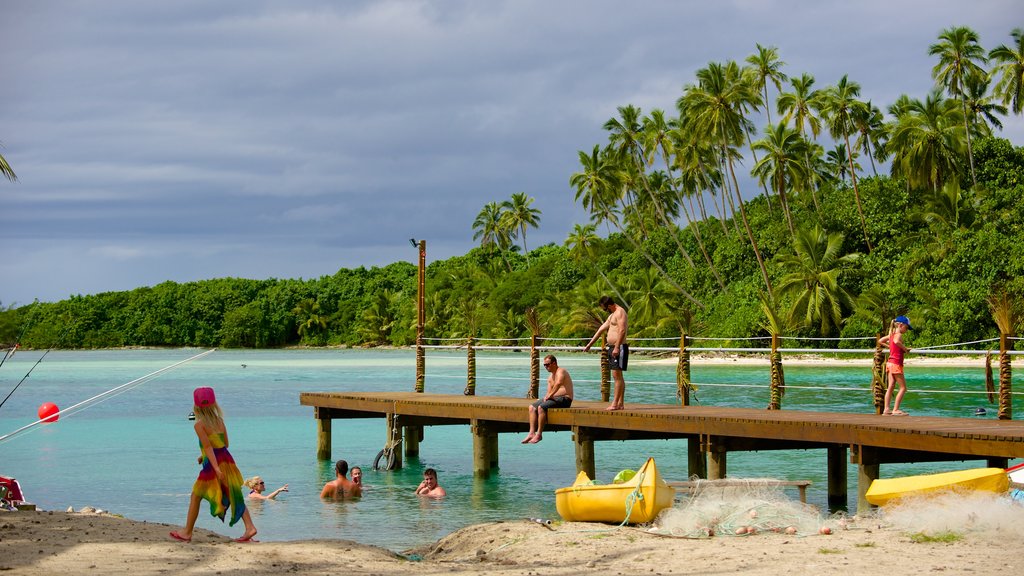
584,442
837,487
484,448
470,368
1005,377
534,368
696,458
413,435
606,375
878,382
777,388
716,459
867,472
683,373
323,435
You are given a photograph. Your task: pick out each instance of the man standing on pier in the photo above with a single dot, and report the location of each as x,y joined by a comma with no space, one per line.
618,352
559,395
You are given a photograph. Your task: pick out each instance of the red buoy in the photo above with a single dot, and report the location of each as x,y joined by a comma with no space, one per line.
48,412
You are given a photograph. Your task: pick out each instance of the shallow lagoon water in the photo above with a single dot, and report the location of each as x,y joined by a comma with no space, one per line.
135,453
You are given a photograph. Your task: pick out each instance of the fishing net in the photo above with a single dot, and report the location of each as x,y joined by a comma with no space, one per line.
960,512
740,508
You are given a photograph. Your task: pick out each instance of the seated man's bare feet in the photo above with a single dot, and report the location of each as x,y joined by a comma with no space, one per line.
535,439
527,439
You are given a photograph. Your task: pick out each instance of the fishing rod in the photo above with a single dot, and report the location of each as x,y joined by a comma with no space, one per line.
25,377
104,395
17,343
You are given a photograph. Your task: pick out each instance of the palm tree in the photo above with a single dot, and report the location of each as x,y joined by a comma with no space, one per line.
490,227
870,132
6,169
596,184
1010,66
311,322
837,164
959,57
800,106
716,107
814,271
783,165
518,214
582,245
840,104
926,141
767,68
982,106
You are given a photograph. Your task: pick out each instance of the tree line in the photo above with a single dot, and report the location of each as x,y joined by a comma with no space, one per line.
826,248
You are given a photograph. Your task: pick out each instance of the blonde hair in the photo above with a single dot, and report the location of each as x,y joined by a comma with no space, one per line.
210,416
251,483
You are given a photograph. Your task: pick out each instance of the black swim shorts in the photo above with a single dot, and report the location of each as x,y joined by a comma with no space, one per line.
618,362
556,402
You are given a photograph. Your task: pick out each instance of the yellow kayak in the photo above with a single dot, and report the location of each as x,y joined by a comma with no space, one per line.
885,490
644,496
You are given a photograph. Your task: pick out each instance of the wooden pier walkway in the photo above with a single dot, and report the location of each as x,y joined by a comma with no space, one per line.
868,440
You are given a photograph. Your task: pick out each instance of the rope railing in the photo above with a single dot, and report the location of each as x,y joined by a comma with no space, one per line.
772,355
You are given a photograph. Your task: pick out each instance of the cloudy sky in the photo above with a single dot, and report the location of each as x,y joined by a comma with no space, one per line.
191,139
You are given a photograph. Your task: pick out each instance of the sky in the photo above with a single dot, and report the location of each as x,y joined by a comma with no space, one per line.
189,140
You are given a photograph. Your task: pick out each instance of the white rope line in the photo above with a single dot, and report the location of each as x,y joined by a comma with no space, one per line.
819,351
957,344
729,339
103,396
826,339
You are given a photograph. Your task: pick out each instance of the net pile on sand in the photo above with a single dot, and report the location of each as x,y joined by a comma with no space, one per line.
960,512
744,507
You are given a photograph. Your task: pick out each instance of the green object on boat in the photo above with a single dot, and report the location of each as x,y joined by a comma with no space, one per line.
624,476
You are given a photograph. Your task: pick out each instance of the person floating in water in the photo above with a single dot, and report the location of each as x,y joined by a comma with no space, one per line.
616,325
558,395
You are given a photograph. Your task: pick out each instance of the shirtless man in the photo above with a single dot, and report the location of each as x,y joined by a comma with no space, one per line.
618,352
559,395
341,487
429,486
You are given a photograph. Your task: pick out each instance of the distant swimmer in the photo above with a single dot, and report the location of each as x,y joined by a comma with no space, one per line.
558,395
616,325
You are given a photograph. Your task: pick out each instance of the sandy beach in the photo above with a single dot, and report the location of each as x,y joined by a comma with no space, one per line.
47,543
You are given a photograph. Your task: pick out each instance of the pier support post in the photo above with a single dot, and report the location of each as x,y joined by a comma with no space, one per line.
696,458
394,438
716,460
323,436
485,446
867,472
837,496
584,451
413,435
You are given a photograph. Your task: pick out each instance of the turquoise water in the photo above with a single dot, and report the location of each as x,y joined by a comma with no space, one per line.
135,453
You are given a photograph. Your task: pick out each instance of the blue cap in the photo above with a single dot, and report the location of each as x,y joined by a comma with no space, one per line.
904,320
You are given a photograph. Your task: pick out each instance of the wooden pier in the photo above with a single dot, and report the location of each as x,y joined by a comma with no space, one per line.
867,440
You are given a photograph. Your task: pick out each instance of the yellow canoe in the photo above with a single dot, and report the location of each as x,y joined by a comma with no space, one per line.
643,496
885,490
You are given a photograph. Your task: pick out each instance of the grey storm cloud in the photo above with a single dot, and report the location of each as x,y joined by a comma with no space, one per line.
190,140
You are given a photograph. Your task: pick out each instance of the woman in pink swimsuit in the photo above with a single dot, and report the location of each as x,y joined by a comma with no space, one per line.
894,366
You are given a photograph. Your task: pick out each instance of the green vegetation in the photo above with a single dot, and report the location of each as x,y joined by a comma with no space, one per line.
944,537
830,248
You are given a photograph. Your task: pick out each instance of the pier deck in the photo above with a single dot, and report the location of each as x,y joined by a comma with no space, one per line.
711,432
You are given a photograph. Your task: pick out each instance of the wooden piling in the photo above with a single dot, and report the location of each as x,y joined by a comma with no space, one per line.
534,367
683,373
778,381
413,435
484,448
323,436
1005,378
696,458
583,439
867,472
716,453
837,482
394,438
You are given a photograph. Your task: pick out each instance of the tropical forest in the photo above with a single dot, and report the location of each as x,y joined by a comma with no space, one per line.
762,203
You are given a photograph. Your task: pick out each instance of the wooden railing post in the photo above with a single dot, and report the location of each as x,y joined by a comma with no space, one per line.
470,368
534,368
683,373
878,383
606,376
778,382
1005,378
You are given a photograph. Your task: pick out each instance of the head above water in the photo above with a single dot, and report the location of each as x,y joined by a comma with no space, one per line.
341,467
